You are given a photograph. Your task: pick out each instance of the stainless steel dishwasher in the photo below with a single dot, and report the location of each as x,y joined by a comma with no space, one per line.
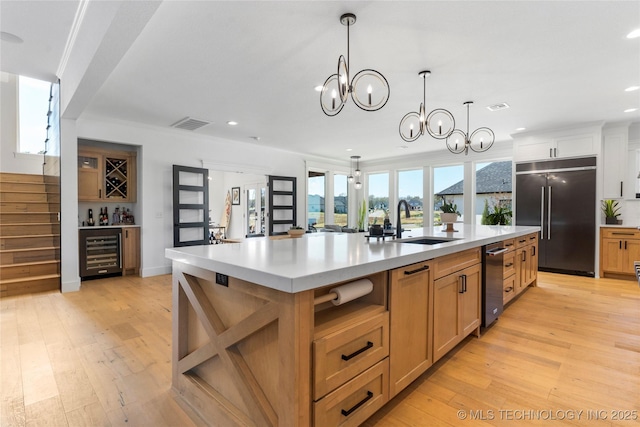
492,275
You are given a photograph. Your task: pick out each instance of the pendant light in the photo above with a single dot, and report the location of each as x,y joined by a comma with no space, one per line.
356,174
480,140
350,177
369,89
439,123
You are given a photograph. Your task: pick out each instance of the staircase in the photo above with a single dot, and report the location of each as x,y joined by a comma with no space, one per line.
29,234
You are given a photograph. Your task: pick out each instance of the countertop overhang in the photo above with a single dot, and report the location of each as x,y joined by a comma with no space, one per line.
320,259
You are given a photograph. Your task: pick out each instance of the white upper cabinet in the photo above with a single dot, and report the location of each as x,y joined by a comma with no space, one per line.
614,164
559,144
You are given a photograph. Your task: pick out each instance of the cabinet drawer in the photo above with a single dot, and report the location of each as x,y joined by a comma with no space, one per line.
508,264
509,289
620,233
342,355
527,239
510,244
455,262
357,400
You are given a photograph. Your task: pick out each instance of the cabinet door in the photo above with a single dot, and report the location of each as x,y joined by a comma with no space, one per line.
575,146
533,263
521,269
632,253
446,319
614,166
533,150
89,177
119,179
470,302
410,350
612,254
131,250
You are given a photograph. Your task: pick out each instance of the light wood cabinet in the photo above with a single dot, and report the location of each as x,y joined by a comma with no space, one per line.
106,176
619,248
130,250
410,304
456,302
526,261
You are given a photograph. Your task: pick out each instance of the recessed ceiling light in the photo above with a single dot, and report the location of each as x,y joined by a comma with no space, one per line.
632,88
630,110
403,147
11,38
255,138
318,88
232,123
634,34
521,128
349,149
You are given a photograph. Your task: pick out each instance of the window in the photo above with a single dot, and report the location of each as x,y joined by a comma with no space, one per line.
448,183
410,189
315,199
493,189
378,197
33,106
340,200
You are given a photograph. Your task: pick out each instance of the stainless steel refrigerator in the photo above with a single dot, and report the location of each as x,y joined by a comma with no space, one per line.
560,197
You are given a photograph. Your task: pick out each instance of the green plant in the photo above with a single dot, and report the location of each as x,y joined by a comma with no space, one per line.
296,227
362,212
500,216
610,208
485,213
449,207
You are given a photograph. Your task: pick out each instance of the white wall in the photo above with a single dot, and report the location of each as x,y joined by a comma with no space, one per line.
160,149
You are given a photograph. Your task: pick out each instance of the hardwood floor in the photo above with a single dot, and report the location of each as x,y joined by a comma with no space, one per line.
102,357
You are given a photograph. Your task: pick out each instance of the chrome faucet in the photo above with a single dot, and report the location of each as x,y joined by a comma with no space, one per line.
407,214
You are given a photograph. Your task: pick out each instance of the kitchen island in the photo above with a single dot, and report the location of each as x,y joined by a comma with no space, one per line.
256,340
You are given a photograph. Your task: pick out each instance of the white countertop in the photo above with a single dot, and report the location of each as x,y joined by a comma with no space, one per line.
620,226
319,259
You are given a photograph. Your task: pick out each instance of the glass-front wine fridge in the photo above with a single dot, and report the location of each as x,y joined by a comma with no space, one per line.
100,252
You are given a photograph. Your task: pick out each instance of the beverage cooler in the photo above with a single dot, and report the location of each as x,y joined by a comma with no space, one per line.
100,252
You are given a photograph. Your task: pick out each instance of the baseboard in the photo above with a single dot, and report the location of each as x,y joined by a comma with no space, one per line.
155,271
71,286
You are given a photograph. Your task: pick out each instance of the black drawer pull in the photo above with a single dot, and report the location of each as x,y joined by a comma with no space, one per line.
357,352
357,405
522,241
507,290
509,265
417,270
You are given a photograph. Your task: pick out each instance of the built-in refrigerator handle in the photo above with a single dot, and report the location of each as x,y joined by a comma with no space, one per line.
120,249
541,213
549,217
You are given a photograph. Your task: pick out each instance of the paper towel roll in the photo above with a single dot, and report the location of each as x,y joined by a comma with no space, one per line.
352,290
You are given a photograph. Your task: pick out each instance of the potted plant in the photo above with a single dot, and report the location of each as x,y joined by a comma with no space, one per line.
295,231
611,211
362,213
450,212
500,216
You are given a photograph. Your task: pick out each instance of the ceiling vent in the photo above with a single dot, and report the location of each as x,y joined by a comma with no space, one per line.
189,123
496,107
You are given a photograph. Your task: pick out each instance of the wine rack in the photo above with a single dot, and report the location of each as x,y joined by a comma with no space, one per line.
116,178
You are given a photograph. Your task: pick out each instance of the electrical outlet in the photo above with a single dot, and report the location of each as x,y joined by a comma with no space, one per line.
222,279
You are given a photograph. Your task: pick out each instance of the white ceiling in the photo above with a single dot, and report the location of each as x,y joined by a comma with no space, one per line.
556,63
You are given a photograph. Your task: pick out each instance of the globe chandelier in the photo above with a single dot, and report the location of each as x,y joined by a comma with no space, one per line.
439,123
369,89
479,140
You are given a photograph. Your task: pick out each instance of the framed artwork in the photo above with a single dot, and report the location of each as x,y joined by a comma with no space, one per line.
235,195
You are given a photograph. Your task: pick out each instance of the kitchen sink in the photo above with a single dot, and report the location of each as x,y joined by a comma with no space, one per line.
426,240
